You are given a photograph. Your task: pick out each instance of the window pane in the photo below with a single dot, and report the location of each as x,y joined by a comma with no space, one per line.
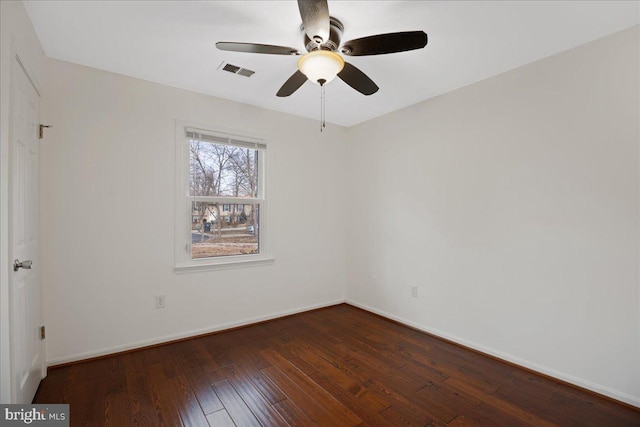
222,170
216,232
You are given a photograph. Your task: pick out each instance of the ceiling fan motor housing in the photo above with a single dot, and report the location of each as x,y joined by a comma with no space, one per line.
335,36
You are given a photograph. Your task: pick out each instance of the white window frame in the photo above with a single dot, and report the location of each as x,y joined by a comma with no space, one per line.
183,200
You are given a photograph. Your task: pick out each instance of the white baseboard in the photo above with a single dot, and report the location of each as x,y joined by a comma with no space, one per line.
606,391
187,334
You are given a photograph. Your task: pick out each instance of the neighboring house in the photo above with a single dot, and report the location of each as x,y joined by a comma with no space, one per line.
229,213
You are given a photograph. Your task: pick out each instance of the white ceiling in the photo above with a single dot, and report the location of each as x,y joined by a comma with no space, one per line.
173,43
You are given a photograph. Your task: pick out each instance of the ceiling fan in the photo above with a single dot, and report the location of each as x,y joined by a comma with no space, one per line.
322,39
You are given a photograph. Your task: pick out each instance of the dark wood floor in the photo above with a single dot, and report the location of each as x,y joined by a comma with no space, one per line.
338,366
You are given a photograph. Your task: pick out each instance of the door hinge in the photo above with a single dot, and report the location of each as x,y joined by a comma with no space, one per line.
41,133
42,333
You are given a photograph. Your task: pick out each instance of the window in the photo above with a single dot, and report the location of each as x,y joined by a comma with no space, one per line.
220,192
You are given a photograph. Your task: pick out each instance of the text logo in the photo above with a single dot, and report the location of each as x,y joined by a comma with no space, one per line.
36,415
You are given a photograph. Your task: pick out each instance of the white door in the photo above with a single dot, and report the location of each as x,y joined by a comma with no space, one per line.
27,355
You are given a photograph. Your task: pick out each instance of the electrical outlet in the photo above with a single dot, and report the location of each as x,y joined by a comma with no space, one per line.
414,291
161,301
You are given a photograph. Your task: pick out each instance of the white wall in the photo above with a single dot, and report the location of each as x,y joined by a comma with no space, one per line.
16,37
513,204
107,197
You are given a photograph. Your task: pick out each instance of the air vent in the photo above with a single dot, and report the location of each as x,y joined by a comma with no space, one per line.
231,68
225,66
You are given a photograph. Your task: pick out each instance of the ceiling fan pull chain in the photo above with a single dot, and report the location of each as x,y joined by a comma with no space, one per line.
322,106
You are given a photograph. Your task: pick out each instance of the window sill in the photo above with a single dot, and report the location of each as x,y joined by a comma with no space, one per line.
194,268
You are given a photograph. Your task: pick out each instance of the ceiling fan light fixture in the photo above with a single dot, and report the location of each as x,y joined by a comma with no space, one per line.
321,66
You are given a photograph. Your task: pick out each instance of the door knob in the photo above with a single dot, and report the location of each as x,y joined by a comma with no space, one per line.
22,264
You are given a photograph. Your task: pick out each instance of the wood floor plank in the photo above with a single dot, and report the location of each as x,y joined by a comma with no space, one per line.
200,371
405,418
369,358
379,392
358,405
468,362
235,406
163,400
529,398
462,421
219,348
190,411
403,390
584,412
52,390
304,398
358,343
417,359
318,414
269,390
292,414
486,415
259,406
220,418
116,379
588,406
141,410
116,409
209,402
336,366
335,375
90,397
207,365
500,404
334,409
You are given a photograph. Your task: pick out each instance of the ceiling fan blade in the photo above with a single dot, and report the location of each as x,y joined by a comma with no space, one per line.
385,43
257,48
315,19
358,80
292,84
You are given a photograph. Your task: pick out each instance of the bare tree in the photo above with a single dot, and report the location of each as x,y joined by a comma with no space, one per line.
201,178
245,168
207,176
